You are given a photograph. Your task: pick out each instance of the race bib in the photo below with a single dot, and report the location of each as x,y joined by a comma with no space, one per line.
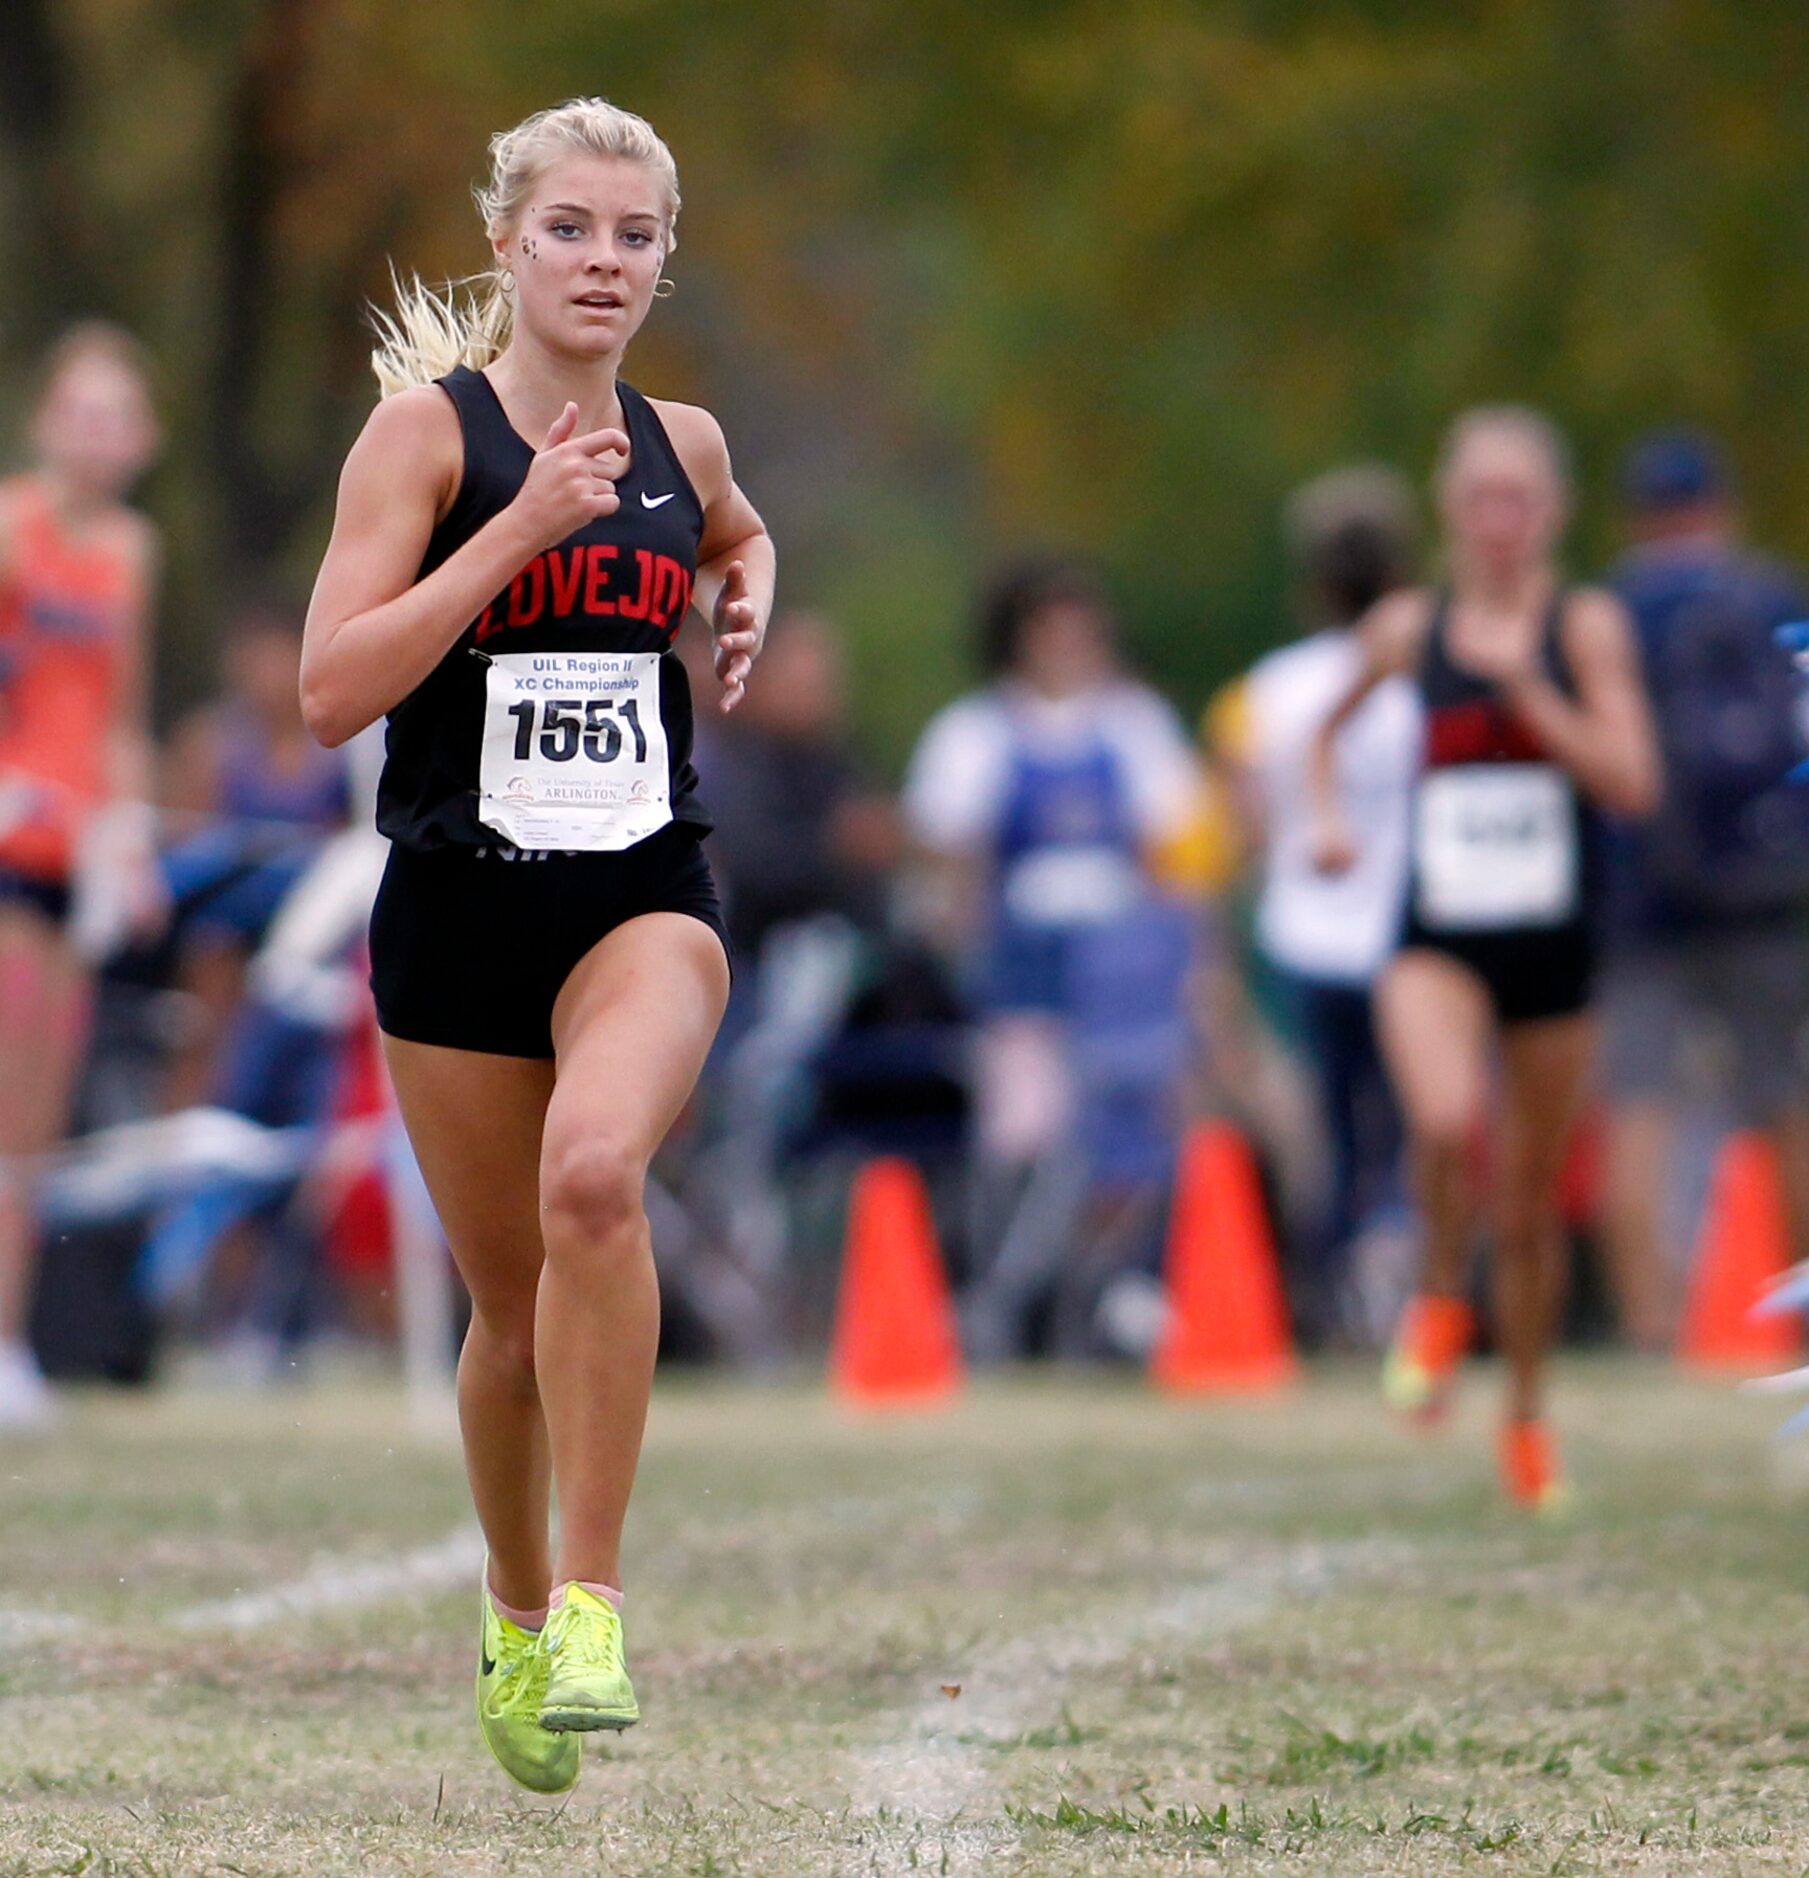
1496,847
574,754
1072,886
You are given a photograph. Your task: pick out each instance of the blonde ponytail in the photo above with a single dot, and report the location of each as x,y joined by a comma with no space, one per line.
429,333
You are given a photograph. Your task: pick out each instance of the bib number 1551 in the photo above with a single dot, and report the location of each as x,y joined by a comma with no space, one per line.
575,754
567,726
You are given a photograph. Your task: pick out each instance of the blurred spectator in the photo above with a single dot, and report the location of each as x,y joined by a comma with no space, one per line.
803,848
1705,933
1324,937
799,834
258,797
1046,804
77,569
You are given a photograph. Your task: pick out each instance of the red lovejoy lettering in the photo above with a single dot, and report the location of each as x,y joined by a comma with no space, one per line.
523,611
565,591
598,577
638,607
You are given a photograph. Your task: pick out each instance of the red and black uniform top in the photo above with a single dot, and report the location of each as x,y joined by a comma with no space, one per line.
620,584
1501,838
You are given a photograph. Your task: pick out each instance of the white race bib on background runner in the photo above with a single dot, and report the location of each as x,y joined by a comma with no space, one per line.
574,754
1496,847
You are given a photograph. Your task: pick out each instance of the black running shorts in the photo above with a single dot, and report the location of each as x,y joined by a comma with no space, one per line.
1530,974
48,897
470,946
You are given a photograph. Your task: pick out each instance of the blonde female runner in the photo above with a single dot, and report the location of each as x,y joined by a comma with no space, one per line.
518,539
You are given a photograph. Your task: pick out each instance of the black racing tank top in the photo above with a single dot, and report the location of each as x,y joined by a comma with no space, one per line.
620,584
1501,839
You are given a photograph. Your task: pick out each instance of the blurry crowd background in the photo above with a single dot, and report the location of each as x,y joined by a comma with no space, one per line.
1064,351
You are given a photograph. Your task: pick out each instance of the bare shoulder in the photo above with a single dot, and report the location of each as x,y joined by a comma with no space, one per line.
701,446
123,532
1596,626
1407,609
1395,628
421,417
1594,610
690,425
412,438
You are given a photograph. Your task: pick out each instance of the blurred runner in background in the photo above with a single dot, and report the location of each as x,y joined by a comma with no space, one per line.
1706,904
1351,537
77,570
1534,714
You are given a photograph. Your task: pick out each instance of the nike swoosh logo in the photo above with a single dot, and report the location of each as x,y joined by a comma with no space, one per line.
653,502
488,1662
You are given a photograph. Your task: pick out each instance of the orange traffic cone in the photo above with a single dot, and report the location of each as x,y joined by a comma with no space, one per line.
1227,1327
1741,1250
895,1340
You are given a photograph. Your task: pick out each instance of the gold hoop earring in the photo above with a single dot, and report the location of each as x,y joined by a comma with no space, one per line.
663,289
506,280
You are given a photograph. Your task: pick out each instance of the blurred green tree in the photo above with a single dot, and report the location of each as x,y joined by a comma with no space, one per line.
1103,276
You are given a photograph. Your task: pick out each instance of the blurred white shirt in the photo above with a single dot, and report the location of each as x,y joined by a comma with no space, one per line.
955,788
1334,927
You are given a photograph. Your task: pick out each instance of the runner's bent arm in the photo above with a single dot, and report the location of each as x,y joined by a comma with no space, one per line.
130,754
1603,735
374,632
737,564
1389,639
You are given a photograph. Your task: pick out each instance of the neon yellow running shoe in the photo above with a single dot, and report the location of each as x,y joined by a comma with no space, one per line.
587,1681
511,1685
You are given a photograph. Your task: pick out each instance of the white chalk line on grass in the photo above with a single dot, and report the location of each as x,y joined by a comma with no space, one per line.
328,1584
1417,1482
937,1769
34,1626
339,1584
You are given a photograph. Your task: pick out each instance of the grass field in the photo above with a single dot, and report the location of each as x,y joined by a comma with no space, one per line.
1063,1628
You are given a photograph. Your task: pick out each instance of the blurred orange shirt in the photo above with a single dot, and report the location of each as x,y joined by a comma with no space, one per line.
68,608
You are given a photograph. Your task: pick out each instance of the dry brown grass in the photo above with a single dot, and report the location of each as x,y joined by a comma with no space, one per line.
1274,1637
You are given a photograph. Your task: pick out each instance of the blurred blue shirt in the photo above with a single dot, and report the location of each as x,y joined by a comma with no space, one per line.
1663,585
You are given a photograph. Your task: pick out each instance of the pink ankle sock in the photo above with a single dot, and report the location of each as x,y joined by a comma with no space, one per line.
522,1620
608,1593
